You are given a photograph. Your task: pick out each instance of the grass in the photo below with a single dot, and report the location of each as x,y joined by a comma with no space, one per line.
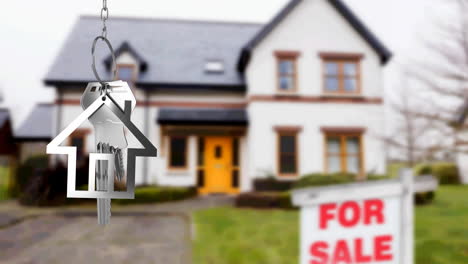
242,236
4,183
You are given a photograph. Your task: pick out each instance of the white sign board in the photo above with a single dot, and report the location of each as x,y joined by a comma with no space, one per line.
368,222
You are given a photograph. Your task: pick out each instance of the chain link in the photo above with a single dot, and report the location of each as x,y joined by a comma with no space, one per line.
103,37
104,17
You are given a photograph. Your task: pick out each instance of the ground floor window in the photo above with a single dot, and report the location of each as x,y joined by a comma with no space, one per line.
287,152
177,152
343,152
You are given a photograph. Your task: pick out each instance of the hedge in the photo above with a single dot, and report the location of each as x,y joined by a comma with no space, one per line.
25,172
447,173
273,193
320,179
271,184
265,200
38,185
46,187
424,198
158,194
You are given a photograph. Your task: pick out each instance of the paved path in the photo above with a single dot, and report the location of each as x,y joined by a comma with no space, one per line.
136,234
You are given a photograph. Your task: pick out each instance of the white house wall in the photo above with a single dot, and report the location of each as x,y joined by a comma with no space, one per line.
70,112
264,117
157,167
312,27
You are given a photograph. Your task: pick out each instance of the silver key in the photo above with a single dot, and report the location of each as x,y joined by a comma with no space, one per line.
109,139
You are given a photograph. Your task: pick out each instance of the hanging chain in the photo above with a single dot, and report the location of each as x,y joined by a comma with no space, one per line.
104,17
103,37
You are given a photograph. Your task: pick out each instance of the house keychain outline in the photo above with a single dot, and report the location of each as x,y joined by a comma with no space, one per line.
148,150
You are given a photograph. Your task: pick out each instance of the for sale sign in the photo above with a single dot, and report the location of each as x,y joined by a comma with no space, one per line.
357,223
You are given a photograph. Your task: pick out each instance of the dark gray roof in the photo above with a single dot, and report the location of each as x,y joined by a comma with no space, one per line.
341,7
38,125
4,116
196,116
175,50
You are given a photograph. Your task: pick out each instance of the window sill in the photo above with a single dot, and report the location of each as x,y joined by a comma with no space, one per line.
176,170
287,177
342,95
287,94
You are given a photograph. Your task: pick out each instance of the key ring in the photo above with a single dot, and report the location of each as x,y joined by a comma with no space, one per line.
114,65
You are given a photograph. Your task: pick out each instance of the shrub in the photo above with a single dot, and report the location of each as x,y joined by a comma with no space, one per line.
424,198
155,194
319,179
46,187
377,177
271,184
447,173
422,169
265,200
25,172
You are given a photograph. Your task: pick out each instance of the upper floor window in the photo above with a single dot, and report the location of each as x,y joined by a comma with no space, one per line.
342,73
287,71
126,72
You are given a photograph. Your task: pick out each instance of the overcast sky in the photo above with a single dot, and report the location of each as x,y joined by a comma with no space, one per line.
34,31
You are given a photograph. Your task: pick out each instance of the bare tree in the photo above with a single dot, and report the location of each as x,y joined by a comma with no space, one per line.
439,88
407,137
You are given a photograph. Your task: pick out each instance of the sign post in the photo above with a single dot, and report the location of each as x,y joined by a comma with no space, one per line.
369,222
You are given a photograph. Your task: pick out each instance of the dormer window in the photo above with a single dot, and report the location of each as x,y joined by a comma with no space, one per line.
214,66
286,71
126,72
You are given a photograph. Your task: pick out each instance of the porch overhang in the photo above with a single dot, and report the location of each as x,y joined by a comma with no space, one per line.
202,117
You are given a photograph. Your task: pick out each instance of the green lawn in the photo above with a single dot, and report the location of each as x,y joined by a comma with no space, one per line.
239,236
4,182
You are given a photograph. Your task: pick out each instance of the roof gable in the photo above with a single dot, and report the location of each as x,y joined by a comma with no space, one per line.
342,9
126,47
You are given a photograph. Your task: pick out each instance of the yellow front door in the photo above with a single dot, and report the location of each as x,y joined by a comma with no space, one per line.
218,166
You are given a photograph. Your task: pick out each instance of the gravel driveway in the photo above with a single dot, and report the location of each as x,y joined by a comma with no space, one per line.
138,234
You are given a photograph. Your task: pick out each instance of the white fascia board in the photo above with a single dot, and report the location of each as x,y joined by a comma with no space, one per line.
345,192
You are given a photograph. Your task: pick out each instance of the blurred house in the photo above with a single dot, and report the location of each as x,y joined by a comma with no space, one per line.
228,102
8,148
35,132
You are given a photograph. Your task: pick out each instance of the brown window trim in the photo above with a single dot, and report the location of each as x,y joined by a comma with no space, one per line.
341,56
127,65
287,55
343,133
287,131
315,99
169,150
341,59
343,130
